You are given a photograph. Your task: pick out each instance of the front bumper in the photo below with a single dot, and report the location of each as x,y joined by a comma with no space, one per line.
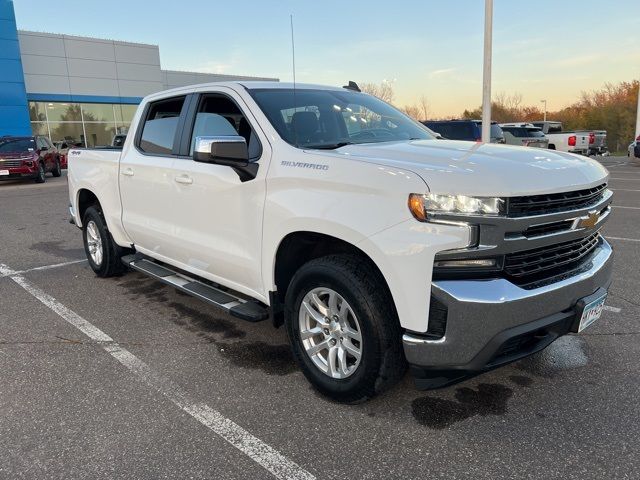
493,322
19,172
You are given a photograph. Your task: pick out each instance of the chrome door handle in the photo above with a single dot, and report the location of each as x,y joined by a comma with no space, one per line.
127,172
183,179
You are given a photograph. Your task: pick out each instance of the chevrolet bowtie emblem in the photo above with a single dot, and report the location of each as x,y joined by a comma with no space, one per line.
587,222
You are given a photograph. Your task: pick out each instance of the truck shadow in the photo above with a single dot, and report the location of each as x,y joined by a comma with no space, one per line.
196,317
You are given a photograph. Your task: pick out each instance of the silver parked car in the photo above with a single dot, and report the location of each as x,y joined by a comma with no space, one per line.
524,134
632,146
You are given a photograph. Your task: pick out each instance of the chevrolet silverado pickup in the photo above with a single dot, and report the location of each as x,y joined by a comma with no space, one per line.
564,140
332,213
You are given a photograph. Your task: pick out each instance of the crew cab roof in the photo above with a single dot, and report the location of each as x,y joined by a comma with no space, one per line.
249,85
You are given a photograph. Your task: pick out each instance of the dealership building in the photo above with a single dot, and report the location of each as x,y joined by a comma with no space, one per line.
77,88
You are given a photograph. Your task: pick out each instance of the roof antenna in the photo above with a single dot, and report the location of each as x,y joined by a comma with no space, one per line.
293,62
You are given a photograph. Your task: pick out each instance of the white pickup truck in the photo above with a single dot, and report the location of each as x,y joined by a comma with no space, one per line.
331,212
565,141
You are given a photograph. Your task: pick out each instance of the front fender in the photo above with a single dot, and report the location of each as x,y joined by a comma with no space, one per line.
404,254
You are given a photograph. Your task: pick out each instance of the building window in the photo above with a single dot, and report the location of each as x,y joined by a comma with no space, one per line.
87,124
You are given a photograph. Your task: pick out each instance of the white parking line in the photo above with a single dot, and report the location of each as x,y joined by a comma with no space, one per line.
627,179
623,190
623,239
45,267
630,208
261,453
612,309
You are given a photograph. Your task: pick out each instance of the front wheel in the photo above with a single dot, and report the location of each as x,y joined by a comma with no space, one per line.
40,175
343,328
102,252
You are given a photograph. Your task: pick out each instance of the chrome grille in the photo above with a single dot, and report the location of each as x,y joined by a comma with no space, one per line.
530,265
554,202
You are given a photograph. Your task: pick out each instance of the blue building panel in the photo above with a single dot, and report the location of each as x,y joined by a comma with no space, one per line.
9,48
14,109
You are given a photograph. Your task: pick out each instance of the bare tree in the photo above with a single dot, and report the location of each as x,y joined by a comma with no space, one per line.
418,111
383,90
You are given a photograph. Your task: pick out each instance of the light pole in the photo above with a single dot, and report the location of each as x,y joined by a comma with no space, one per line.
486,73
545,109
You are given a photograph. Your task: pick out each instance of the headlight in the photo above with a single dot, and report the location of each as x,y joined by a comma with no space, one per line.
421,204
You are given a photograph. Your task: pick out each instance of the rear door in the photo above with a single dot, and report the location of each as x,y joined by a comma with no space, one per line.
146,177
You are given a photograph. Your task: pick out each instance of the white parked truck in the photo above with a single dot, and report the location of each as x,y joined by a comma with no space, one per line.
331,212
565,141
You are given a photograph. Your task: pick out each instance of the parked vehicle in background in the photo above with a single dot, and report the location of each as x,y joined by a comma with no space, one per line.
631,148
524,134
565,141
28,157
470,130
63,147
636,147
597,141
340,217
118,140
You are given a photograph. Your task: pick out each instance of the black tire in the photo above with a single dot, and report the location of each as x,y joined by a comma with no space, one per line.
382,362
57,169
110,263
41,175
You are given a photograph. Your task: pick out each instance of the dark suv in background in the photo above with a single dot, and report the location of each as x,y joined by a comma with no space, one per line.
470,130
28,157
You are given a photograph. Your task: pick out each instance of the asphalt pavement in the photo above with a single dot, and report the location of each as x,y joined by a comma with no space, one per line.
128,378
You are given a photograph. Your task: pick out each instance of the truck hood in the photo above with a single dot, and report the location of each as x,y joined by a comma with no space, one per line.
480,169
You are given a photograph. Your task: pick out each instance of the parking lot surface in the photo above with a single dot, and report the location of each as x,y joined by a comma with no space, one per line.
128,378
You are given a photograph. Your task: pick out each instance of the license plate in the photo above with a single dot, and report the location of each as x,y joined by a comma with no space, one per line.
591,312
4,172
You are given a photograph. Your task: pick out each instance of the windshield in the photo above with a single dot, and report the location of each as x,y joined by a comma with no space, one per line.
334,118
17,145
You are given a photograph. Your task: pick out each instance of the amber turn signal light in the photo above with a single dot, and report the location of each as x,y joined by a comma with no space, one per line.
416,205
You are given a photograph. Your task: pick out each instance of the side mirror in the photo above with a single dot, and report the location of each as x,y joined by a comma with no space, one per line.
223,150
44,149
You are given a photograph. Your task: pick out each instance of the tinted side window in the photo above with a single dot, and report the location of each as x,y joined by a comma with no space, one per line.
496,131
459,131
160,125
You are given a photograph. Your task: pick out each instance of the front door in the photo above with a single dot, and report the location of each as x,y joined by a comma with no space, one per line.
216,216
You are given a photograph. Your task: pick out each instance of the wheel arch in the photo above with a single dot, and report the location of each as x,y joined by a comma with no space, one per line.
84,199
300,247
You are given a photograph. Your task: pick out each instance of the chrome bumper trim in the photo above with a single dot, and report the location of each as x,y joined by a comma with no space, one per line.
478,310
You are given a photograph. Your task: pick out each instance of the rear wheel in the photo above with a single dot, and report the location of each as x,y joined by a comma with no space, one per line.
102,252
40,175
343,329
57,169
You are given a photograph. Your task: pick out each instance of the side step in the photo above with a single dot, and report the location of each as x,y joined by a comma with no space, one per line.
250,310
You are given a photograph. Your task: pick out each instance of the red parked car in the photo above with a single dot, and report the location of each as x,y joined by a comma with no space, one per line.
28,157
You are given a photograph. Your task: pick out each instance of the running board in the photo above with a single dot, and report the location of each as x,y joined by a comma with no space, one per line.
250,310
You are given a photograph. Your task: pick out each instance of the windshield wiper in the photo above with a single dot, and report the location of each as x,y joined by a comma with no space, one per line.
327,146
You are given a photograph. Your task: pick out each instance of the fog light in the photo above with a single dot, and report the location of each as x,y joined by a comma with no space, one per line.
472,262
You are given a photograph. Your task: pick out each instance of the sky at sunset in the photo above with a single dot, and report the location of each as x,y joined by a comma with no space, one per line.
543,49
